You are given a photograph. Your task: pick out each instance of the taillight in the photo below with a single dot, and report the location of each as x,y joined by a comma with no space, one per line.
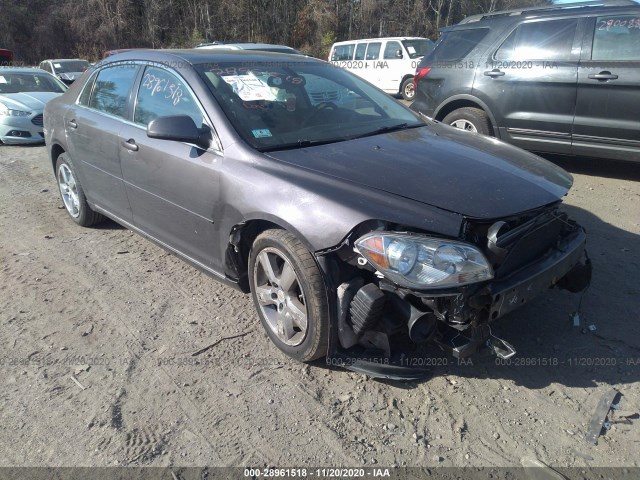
420,73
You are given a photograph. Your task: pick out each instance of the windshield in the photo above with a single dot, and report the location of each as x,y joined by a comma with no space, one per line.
289,104
29,82
70,66
418,47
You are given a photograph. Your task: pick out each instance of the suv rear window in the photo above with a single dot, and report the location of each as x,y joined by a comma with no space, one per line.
549,40
457,44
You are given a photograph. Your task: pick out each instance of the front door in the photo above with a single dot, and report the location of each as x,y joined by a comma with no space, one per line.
173,187
531,81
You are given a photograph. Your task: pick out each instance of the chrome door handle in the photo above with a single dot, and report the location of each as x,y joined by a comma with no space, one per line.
494,73
72,124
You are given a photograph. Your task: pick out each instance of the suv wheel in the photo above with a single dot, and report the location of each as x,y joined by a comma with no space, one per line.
408,89
290,295
470,119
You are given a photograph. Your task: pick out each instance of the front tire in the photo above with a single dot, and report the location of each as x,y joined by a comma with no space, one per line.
469,119
72,194
408,90
289,294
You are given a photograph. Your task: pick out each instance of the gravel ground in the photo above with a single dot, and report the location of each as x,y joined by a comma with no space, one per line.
98,327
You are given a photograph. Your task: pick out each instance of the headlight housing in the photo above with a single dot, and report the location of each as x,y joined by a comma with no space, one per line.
421,262
8,112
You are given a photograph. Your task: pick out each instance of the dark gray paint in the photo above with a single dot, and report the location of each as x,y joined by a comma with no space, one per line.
190,199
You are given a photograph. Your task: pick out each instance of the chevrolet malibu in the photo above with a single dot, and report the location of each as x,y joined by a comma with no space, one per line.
365,233
23,95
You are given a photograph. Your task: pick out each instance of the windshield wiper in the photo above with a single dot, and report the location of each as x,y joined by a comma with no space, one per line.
387,129
302,143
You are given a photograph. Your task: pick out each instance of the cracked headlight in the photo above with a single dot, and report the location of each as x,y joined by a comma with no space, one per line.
420,262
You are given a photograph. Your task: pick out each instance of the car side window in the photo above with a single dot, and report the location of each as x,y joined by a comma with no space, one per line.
373,51
549,40
111,92
163,94
616,38
343,52
391,50
85,96
360,51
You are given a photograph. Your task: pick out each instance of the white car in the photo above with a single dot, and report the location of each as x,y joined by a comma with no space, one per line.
388,63
23,94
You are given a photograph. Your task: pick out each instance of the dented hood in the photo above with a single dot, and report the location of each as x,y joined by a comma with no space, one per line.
451,169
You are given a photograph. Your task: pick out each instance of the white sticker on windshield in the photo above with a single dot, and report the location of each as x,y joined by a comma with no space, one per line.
411,49
2,79
57,65
250,88
261,133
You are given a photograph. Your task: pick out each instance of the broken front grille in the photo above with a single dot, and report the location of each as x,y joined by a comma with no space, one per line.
513,243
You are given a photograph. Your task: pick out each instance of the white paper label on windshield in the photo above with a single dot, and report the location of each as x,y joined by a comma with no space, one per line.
250,88
411,49
2,79
57,65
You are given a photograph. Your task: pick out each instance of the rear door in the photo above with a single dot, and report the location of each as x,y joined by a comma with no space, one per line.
531,82
92,126
173,187
607,119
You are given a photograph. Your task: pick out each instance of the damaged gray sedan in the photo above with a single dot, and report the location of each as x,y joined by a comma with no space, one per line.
365,233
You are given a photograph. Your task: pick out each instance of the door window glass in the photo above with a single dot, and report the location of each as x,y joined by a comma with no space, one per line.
163,94
343,52
373,51
111,92
551,40
85,96
617,38
360,49
391,50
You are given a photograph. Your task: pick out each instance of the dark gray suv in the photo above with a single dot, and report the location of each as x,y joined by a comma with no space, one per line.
562,79
362,230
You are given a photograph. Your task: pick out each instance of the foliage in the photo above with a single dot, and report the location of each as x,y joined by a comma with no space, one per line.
39,29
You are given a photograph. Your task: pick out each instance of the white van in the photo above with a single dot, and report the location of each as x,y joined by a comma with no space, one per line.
389,63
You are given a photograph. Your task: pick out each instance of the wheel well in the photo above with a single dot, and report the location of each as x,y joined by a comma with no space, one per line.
56,151
241,239
455,105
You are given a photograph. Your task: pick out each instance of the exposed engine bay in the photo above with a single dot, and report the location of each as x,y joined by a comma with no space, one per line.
383,318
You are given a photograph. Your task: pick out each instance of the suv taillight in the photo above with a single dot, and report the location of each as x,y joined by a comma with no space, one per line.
420,73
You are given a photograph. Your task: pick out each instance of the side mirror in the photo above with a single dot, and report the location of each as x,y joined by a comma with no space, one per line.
179,128
399,54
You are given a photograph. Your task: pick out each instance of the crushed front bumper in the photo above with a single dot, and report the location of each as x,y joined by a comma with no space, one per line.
567,264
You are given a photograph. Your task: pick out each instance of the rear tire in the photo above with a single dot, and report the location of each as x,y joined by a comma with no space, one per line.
408,90
469,119
289,294
72,194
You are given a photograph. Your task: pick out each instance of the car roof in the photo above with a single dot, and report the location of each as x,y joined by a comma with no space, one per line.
65,60
196,56
23,70
556,10
244,46
379,39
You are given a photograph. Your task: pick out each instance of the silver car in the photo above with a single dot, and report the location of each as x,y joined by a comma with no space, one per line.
23,94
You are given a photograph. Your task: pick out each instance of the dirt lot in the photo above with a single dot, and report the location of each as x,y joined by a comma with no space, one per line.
123,318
